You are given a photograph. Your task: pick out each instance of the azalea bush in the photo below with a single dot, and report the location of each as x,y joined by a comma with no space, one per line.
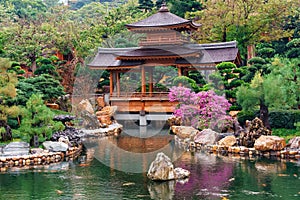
201,110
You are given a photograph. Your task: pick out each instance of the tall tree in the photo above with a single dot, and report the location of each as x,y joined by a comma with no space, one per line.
248,22
254,94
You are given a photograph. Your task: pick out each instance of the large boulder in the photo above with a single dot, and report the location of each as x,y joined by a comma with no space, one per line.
294,143
85,105
162,169
228,141
16,149
184,132
266,143
206,137
55,146
90,120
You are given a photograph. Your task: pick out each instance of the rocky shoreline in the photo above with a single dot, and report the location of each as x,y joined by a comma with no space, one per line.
240,151
39,159
253,142
63,147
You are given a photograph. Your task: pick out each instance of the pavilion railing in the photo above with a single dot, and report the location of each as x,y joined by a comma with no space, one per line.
141,95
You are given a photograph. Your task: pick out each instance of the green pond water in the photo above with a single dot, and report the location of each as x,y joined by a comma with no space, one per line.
114,168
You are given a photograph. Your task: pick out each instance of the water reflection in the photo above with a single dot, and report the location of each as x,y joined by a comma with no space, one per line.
130,153
212,176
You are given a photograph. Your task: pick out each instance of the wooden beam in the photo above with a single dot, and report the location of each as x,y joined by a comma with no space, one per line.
111,83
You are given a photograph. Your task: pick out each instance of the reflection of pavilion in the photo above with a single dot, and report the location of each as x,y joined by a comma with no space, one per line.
164,45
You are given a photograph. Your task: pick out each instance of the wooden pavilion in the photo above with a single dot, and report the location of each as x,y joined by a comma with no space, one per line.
163,45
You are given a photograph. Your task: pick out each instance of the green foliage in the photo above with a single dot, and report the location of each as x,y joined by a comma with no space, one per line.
284,82
146,5
16,68
225,65
180,8
47,66
287,134
243,116
37,119
266,52
295,43
186,82
293,53
257,60
284,118
44,85
25,8
8,82
197,76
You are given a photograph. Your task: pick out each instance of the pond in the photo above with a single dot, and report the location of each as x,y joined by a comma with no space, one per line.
115,168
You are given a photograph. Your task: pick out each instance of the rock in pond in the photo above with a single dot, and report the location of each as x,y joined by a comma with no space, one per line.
266,143
228,141
162,169
184,132
55,146
206,137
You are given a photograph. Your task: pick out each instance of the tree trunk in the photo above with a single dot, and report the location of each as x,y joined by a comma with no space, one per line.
224,36
264,115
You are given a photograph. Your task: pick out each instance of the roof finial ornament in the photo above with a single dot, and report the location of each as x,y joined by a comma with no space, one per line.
164,7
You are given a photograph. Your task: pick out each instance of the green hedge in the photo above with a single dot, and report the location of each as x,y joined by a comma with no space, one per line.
277,118
284,118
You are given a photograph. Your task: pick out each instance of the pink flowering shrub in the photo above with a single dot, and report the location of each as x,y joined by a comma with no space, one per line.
201,110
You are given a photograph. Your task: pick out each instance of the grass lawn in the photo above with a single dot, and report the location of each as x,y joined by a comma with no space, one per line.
287,134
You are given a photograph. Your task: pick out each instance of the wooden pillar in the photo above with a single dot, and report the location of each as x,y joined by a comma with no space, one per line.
185,72
150,81
179,74
179,71
143,80
111,83
118,84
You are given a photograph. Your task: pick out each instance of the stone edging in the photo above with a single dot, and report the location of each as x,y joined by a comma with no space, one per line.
42,159
238,150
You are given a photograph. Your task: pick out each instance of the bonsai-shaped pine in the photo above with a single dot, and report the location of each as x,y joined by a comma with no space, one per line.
8,82
186,82
37,120
45,84
231,76
47,66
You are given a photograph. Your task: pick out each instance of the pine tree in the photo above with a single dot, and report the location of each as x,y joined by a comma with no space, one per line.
37,120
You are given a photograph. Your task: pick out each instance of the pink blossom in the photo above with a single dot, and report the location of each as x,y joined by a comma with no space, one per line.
202,110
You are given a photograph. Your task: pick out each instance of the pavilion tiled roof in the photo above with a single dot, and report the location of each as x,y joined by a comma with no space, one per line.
163,19
158,51
205,54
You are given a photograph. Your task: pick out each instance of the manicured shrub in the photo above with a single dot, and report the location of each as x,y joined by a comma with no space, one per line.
284,118
277,118
256,60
